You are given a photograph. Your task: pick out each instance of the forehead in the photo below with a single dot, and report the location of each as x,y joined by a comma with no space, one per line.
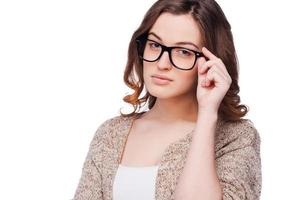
176,28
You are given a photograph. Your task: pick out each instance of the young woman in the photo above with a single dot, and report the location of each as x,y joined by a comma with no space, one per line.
192,142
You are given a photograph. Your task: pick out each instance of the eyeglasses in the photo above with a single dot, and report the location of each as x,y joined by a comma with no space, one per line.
180,57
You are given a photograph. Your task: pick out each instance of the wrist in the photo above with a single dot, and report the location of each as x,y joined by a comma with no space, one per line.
208,116
207,112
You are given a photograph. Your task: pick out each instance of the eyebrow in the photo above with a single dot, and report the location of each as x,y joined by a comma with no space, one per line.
178,43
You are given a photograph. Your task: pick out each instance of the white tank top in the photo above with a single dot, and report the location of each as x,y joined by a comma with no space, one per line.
135,183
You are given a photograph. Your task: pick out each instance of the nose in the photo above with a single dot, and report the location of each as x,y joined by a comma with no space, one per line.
164,61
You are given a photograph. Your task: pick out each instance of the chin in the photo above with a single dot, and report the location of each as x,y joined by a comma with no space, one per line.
161,93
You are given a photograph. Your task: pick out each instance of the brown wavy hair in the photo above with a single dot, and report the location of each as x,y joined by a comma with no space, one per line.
218,38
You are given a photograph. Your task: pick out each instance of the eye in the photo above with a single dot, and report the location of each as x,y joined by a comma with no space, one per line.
154,45
184,52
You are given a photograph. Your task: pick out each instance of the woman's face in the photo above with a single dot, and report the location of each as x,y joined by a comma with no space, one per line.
170,30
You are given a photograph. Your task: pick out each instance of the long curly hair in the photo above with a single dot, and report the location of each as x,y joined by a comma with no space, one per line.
218,38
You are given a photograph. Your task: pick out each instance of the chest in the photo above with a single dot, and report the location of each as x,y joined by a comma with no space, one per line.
146,146
168,153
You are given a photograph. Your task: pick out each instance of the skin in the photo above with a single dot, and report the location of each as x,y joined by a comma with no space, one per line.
190,101
151,134
180,93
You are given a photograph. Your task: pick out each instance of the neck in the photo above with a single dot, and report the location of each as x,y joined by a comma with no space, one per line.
175,110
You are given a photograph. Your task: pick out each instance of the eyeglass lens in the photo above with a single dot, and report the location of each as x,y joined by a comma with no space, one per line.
181,57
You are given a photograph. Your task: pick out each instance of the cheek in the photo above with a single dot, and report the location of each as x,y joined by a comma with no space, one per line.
191,75
186,81
148,66
191,79
146,70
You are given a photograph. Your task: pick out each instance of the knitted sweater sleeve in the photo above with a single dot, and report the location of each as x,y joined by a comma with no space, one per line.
90,183
239,162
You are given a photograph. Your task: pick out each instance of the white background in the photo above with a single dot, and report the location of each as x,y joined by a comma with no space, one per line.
61,76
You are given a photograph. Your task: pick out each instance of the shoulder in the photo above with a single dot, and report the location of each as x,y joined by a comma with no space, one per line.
112,123
108,127
237,134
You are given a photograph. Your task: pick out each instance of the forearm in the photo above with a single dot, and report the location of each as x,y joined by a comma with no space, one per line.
199,180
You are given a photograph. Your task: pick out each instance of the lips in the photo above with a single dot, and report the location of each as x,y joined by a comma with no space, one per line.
161,77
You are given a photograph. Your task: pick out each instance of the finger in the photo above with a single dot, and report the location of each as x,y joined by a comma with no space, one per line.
205,67
222,65
214,69
200,62
215,76
218,70
210,63
208,54
226,76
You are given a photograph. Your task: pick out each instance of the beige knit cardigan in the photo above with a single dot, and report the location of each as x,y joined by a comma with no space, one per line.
237,155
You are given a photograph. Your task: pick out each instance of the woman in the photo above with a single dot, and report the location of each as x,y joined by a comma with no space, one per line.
193,142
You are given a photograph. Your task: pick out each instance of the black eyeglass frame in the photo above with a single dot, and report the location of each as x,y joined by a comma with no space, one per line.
168,49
